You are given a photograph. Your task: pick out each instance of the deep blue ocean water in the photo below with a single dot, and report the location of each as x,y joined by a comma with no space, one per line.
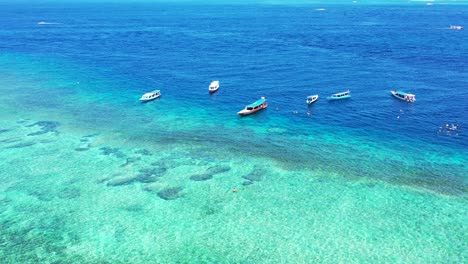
282,52
86,65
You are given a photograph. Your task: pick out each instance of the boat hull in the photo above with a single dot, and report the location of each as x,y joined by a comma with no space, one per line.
331,98
340,96
248,112
314,99
214,86
395,94
145,100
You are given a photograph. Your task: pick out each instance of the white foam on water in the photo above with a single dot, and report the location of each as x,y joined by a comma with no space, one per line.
48,23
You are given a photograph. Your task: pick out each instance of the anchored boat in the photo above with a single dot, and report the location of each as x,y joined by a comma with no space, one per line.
252,108
404,96
214,86
339,96
150,96
312,98
456,27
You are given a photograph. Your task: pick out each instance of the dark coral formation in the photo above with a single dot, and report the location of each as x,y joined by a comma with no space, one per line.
131,160
41,194
21,145
170,193
46,127
10,140
151,174
209,173
90,135
246,183
218,169
108,151
121,180
82,148
255,175
143,152
201,177
69,193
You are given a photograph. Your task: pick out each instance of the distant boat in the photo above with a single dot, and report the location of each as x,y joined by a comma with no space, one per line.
150,96
404,96
456,27
47,23
214,86
311,99
338,96
252,108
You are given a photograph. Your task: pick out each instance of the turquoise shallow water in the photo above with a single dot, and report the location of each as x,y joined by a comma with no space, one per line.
90,175
161,190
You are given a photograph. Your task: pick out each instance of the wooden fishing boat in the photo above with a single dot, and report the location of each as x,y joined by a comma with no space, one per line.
252,108
339,96
404,96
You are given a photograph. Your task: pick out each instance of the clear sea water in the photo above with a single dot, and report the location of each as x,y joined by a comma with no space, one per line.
90,175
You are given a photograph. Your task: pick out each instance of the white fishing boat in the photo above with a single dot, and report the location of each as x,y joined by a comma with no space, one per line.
214,86
404,96
150,96
456,27
312,98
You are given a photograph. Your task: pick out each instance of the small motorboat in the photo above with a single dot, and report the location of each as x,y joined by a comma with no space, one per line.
456,27
311,99
252,108
339,96
150,96
404,96
214,86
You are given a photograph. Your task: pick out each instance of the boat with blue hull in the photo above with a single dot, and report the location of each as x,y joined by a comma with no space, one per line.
252,108
339,96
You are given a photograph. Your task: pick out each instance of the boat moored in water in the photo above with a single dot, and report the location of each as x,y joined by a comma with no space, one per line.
404,96
252,108
214,86
312,98
339,96
150,96
456,27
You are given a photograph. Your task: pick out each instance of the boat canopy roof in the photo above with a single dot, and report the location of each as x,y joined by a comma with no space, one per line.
257,103
214,83
345,92
403,93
